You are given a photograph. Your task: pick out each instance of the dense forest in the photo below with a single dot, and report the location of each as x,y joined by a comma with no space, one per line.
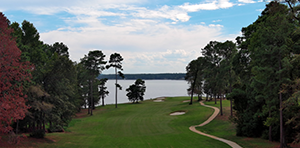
258,73
159,76
41,89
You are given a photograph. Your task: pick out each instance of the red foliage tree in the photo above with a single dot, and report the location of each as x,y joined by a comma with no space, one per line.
13,74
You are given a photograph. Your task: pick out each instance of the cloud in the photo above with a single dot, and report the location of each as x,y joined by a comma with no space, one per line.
213,5
216,21
246,1
165,12
161,46
148,39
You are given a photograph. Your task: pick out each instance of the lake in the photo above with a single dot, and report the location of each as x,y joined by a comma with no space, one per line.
154,89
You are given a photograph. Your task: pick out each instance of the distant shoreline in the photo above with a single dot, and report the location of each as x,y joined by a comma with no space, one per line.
156,76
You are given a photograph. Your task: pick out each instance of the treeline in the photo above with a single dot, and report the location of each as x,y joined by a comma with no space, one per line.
161,76
259,74
40,87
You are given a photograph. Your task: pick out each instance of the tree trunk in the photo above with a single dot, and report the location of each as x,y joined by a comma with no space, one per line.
44,126
17,127
206,97
282,142
41,121
116,88
221,110
230,91
199,97
215,99
102,101
193,86
91,98
270,127
282,137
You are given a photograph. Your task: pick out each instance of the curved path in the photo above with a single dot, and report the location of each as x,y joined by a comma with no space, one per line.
193,128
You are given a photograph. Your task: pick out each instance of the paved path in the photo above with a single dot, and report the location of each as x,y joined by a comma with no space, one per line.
214,115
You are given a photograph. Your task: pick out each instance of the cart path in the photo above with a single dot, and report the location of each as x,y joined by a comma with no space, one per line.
213,116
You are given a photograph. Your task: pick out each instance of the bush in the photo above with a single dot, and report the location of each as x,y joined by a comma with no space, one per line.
55,128
40,133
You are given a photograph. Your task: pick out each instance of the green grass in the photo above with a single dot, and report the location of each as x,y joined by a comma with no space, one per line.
147,124
223,128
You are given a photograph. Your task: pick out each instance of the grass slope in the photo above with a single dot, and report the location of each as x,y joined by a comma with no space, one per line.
147,124
223,128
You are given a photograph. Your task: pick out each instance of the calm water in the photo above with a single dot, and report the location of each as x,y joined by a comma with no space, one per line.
154,89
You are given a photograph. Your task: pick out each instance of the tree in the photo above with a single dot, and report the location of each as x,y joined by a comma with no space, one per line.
60,83
54,79
263,65
60,48
136,91
115,61
212,53
102,89
227,51
13,76
93,62
82,85
270,52
194,75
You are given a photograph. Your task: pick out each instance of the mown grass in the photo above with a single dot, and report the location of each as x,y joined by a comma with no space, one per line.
147,124
222,127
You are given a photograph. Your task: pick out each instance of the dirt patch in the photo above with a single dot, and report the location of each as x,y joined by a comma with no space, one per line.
177,113
226,114
158,100
81,114
297,145
84,112
161,99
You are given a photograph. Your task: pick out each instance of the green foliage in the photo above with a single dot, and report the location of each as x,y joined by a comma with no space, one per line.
55,128
94,64
195,75
53,95
263,65
227,130
102,89
136,91
115,61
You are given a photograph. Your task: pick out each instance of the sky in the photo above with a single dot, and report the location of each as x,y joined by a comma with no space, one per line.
153,36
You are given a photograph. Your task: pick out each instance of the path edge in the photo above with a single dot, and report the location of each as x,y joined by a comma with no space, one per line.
212,117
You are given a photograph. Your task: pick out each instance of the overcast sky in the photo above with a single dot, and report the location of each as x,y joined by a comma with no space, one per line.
153,36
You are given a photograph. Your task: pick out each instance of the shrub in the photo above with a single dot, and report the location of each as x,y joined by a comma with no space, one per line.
39,133
55,128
